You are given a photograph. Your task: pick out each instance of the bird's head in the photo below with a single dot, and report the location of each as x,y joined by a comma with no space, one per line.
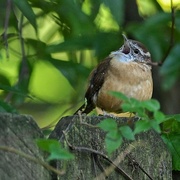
132,51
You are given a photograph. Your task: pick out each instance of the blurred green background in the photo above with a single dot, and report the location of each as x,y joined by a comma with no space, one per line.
49,47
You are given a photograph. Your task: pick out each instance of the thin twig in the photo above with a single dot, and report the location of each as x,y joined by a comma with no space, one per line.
84,123
154,63
117,161
139,166
98,163
31,158
94,164
109,169
24,71
22,39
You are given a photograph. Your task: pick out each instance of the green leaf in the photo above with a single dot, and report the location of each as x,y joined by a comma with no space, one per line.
117,9
159,116
172,141
151,105
152,27
108,125
155,125
133,105
174,117
27,11
171,126
45,144
72,71
70,15
96,6
88,41
113,141
59,154
54,148
5,107
171,66
141,126
113,138
127,132
73,44
14,90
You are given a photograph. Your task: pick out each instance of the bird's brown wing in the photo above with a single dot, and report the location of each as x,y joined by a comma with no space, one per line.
96,80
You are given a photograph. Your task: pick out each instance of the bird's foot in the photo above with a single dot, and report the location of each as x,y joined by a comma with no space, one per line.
110,115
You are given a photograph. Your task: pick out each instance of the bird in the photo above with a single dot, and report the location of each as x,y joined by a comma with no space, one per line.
126,70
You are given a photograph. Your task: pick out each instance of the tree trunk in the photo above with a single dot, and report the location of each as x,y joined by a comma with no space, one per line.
145,158
17,144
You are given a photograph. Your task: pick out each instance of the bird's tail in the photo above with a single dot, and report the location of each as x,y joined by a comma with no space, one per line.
85,108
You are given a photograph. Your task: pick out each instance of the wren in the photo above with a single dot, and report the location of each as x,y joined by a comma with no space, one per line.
127,70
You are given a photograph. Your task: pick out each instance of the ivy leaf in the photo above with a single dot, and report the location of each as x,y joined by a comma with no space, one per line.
151,105
159,116
133,105
108,125
113,140
155,125
55,149
141,126
127,132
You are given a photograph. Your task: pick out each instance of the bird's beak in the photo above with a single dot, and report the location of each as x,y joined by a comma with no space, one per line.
127,47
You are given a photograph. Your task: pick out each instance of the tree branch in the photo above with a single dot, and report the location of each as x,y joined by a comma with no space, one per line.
31,158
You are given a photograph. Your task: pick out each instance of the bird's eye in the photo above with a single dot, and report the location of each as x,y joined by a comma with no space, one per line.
136,51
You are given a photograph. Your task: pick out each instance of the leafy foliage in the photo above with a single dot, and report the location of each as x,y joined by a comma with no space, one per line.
131,105
171,137
54,148
172,141
170,125
115,134
171,67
